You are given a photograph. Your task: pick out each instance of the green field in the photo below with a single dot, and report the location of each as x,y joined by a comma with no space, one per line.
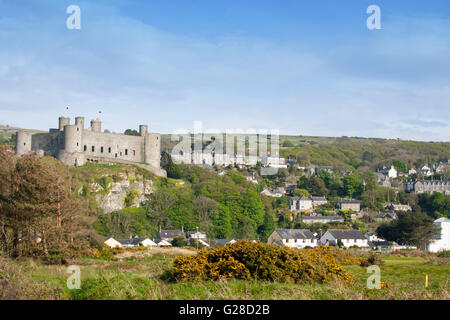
142,275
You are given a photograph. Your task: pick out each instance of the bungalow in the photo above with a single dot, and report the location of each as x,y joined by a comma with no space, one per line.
112,243
348,204
164,243
300,204
321,219
348,238
132,242
294,238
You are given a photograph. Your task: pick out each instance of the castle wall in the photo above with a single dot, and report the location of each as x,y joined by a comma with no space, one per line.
113,146
47,144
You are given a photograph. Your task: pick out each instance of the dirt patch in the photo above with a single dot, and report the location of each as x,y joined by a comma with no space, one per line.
155,250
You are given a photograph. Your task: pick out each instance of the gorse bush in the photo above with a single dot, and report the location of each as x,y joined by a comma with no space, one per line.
255,260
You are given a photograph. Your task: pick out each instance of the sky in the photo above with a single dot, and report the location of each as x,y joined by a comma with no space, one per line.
300,67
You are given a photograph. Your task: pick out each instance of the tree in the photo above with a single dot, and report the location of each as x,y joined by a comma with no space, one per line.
131,132
351,184
39,213
410,228
400,166
179,241
223,227
303,158
301,192
268,225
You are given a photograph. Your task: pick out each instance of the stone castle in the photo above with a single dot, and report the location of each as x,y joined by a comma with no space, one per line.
75,145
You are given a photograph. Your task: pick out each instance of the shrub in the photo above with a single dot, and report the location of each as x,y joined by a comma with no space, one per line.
246,260
179,241
373,259
444,254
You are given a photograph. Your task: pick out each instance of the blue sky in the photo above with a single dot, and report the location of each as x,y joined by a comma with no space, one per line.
302,67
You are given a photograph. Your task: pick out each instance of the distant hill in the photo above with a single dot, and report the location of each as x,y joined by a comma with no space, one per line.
354,152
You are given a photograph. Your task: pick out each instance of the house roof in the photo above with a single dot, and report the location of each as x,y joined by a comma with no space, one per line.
165,234
322,218
301,198
346,234
131,241
295,233
223,241
314,198
350,201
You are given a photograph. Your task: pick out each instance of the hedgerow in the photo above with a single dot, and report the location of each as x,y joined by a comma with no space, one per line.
256,260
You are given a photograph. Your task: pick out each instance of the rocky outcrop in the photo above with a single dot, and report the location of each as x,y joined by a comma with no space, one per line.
133,190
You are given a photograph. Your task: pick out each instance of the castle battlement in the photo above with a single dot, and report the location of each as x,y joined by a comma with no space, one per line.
75,145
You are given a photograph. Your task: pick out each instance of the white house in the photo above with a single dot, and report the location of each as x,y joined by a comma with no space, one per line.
164,243
426,171
294,238
389,172
112,243
300,204
441,241
348,238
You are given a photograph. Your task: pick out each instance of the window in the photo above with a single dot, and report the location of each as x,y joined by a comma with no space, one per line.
121,154
85,148
77,144
116,155
126,152
134,152
93,149
109,150
101,149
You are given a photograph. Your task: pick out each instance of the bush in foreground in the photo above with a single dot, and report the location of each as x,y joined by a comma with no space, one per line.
255,260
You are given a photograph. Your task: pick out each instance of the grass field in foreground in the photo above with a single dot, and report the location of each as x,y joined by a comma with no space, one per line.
141,276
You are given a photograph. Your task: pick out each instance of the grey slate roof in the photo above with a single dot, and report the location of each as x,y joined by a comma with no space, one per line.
222,241
313,198
346,234
131,241
350,201
323,218
295,233
170,234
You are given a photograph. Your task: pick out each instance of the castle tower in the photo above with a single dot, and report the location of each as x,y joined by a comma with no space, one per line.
79,122
96,125
72,153
63,121
143,130
152,149
23,142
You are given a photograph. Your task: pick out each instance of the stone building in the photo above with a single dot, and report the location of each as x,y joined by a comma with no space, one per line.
348,204
75,145
428,186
